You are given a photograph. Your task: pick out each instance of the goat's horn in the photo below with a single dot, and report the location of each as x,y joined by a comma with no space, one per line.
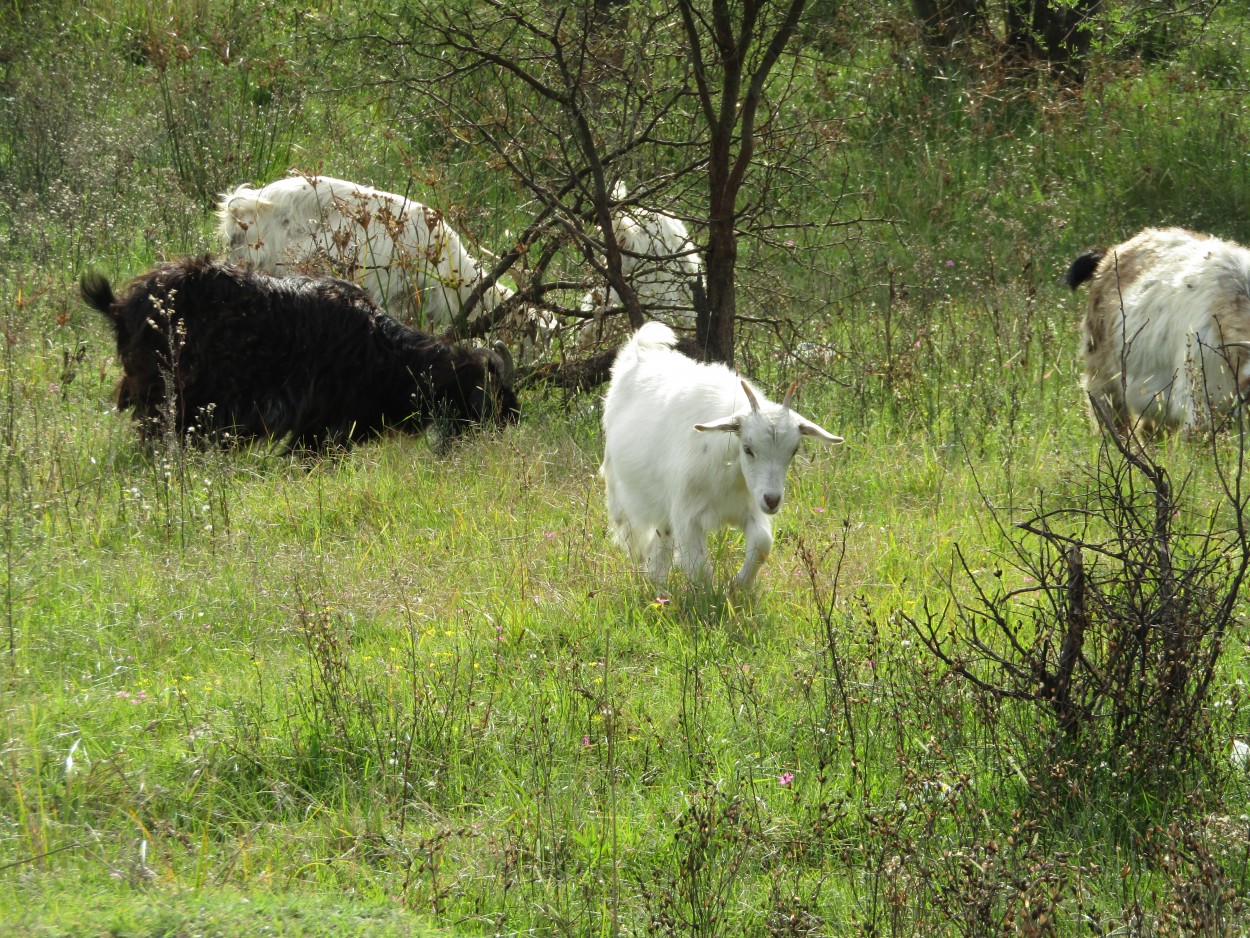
507,370
1236,345
785,401
755,405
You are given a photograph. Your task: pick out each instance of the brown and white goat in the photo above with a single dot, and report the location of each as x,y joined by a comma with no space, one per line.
1167,334
307,360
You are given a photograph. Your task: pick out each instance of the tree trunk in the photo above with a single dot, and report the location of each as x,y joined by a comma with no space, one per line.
1039,31
731,90
945,22
715,327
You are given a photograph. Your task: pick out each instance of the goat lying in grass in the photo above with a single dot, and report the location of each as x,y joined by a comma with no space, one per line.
1167,333
406,255
691,447
311,361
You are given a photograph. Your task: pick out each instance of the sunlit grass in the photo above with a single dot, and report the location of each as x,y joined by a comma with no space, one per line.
400,685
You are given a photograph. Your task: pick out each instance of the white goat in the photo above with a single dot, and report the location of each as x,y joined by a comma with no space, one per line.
658,260
671,479
1167,334
405,254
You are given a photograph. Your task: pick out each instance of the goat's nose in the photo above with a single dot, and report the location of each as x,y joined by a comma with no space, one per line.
772,501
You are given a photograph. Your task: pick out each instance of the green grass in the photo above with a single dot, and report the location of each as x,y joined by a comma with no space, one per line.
401,689
143,911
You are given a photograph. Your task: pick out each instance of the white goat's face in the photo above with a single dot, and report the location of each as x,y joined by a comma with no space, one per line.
244,227
768,438
767,443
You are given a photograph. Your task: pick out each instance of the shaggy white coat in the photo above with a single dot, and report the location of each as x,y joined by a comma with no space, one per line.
402,252
688,448
1168,310
658,260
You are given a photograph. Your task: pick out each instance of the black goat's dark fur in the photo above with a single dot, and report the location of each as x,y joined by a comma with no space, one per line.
310,361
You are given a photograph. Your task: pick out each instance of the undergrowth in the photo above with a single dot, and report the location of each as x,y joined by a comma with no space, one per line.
400,686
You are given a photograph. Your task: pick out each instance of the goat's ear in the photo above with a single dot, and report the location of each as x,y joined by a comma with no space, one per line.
253,203
245,208
728,425
807,428
755,405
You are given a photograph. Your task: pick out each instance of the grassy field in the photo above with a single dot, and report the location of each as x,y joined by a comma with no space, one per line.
406,691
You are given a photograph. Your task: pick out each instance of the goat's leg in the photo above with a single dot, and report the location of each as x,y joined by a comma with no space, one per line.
1111,392
692,553
660,556
638,540
759,537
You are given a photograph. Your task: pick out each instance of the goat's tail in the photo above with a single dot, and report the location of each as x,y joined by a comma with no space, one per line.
1083,268
654,335
98,294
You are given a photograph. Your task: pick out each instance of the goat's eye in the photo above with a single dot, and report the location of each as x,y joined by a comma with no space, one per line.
750,452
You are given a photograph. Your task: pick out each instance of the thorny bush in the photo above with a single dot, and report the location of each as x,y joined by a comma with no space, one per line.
1098,645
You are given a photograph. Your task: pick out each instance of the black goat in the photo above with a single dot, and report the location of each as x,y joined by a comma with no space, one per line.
310,361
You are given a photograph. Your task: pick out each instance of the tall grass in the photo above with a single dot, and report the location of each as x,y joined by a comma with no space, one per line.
400,686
